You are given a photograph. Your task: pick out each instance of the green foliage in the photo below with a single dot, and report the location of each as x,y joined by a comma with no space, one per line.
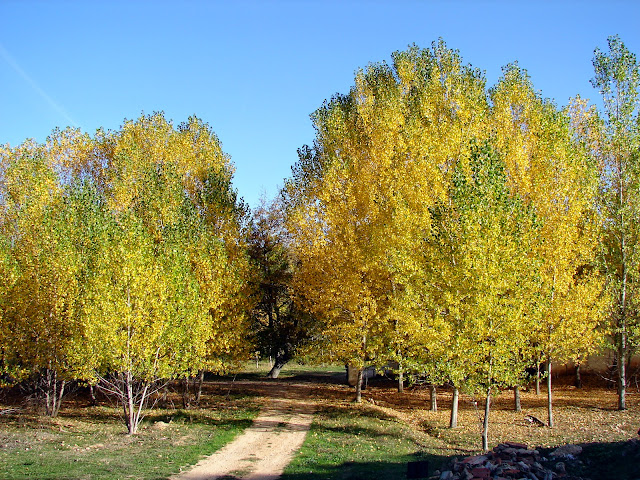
125,257
482,243
617,77
280,325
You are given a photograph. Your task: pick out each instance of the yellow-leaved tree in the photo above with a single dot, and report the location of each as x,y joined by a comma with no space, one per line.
40,324
124,259
359,202
557,178
168,294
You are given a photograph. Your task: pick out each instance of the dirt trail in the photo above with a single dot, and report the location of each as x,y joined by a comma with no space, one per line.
263,450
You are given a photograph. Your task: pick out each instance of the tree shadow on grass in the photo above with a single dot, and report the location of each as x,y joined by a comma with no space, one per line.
391,470
196,418
608,460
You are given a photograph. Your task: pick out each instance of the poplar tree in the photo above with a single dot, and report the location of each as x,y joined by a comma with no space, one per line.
358,203
557,178
488,273
168,298
40,322
617,77
124,259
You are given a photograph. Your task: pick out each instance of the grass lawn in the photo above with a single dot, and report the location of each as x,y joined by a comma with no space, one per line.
373,440
357,442
378,438
91,443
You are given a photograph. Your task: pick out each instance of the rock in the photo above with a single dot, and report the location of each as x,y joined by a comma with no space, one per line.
481,472
516,445
477,460
446,475
466,475
523,467
570,451
512,472
507,461
561,467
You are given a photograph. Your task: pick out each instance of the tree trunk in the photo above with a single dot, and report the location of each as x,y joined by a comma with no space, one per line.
200,382
49,381
622,372
282,358
186,394
453,421
517,405
434,398
275,370
129,407
622,321
485,422
60,394
135,398
538,378
92,396
358,386
53,392
578,379
549,395
400,380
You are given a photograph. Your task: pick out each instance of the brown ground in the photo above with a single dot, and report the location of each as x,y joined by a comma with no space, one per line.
582,416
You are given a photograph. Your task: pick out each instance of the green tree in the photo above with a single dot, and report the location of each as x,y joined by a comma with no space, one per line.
39,318
125,260
280,325
617,77
485,279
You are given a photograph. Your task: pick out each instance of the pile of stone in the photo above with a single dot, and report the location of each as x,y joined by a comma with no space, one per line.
507,461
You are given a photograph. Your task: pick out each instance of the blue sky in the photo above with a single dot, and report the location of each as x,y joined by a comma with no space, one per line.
255,70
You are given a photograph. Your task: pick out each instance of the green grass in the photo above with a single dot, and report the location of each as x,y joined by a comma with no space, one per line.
356,442
374,440
291,370
91,443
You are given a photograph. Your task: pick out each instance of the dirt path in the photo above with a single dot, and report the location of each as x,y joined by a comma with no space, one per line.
263,450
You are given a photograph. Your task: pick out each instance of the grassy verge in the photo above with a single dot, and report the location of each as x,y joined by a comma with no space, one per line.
378,438
358,442
90,443
253,371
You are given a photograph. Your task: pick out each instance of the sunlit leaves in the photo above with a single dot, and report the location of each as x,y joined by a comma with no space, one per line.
360,200
617,77
123,254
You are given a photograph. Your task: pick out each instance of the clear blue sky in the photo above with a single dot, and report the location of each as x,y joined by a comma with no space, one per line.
255,70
